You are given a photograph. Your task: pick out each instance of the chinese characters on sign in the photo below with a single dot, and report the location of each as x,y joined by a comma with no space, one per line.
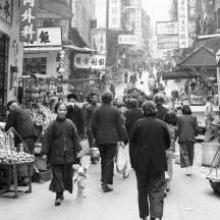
168,42
167,28
6,10
48,38
183,23
28,20
87,61
127,39
114,14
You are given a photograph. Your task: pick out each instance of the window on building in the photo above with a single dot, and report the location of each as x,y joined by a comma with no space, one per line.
35,65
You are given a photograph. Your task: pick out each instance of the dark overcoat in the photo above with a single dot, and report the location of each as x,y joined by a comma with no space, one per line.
107,125
61,142
148,143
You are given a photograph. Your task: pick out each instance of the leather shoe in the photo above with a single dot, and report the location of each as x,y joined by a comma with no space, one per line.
106,188
57,202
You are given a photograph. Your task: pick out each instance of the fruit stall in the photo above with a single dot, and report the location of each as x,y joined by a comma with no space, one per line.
10,162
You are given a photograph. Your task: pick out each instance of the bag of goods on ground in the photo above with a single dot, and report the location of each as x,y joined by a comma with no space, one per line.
7,157
121,159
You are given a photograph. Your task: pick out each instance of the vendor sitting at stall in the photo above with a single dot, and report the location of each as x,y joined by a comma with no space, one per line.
19,119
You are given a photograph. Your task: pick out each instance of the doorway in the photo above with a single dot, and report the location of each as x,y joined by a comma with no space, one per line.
4,42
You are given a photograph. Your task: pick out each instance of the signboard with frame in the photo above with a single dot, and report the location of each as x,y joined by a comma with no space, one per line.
48,38
167,28
89,61
168,42
127,39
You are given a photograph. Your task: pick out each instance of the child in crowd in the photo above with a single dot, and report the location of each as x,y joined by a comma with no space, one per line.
171,120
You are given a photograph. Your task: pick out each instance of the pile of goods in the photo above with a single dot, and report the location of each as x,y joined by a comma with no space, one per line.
42,116
7,157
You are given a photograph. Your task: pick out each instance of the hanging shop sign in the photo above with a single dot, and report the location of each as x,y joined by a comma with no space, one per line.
47,39
89,61
127,39
28,20
167,28
168,42
6,10
99,40
183,23
114,14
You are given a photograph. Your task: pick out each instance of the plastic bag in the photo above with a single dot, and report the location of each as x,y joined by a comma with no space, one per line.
85,146
121,159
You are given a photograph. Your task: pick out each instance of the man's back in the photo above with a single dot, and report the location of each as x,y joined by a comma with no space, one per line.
149,141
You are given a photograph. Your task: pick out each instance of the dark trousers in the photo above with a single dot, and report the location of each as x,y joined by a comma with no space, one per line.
151,188
107,153
186,154
90,138
62,178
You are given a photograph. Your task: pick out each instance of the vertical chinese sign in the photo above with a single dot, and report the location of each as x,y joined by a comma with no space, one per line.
183,23
28,23
114,14
6,10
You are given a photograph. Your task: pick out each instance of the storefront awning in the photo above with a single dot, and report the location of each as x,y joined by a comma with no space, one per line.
78,49
173,75
201,57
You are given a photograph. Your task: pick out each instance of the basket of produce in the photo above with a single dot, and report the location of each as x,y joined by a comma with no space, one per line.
7,157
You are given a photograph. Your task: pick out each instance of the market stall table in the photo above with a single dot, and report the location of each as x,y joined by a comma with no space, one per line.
13,167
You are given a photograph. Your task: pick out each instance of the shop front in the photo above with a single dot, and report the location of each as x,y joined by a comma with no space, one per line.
11,53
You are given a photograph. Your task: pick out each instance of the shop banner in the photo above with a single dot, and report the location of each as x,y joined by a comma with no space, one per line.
127,39
99,40
168,42
183,23
6,10
167,28
28,20
47,39
114,14
89,61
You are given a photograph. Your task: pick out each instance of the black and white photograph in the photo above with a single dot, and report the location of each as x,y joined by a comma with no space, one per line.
109,109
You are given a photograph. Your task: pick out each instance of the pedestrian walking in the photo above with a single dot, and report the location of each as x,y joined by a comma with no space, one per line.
132,115
148,144
187,129
209,117
171,120
89,112
159,99
108,132
75,113
61,146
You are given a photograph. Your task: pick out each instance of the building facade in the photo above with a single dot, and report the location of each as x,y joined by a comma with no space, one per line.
11,52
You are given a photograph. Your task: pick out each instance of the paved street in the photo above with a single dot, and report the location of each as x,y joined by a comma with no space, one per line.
191,198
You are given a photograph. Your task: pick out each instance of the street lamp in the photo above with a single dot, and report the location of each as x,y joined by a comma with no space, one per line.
218,77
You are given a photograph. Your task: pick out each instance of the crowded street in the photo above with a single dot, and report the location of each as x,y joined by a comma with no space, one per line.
189,199
109,109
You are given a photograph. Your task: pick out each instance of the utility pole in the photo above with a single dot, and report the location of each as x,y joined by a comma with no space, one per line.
106,43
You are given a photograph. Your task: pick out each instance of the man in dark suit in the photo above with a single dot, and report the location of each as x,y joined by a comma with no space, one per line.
107,130
132,115
148,143
75,114
161,110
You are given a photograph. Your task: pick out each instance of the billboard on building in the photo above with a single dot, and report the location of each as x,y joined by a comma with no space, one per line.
28,20
168,42
167,28
89,61
183,23
47,39
127,39
114,14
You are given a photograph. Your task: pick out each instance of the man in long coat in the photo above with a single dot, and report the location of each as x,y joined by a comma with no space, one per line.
148,143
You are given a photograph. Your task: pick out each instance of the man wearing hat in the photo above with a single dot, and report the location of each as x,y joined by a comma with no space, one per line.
75,113
149,141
